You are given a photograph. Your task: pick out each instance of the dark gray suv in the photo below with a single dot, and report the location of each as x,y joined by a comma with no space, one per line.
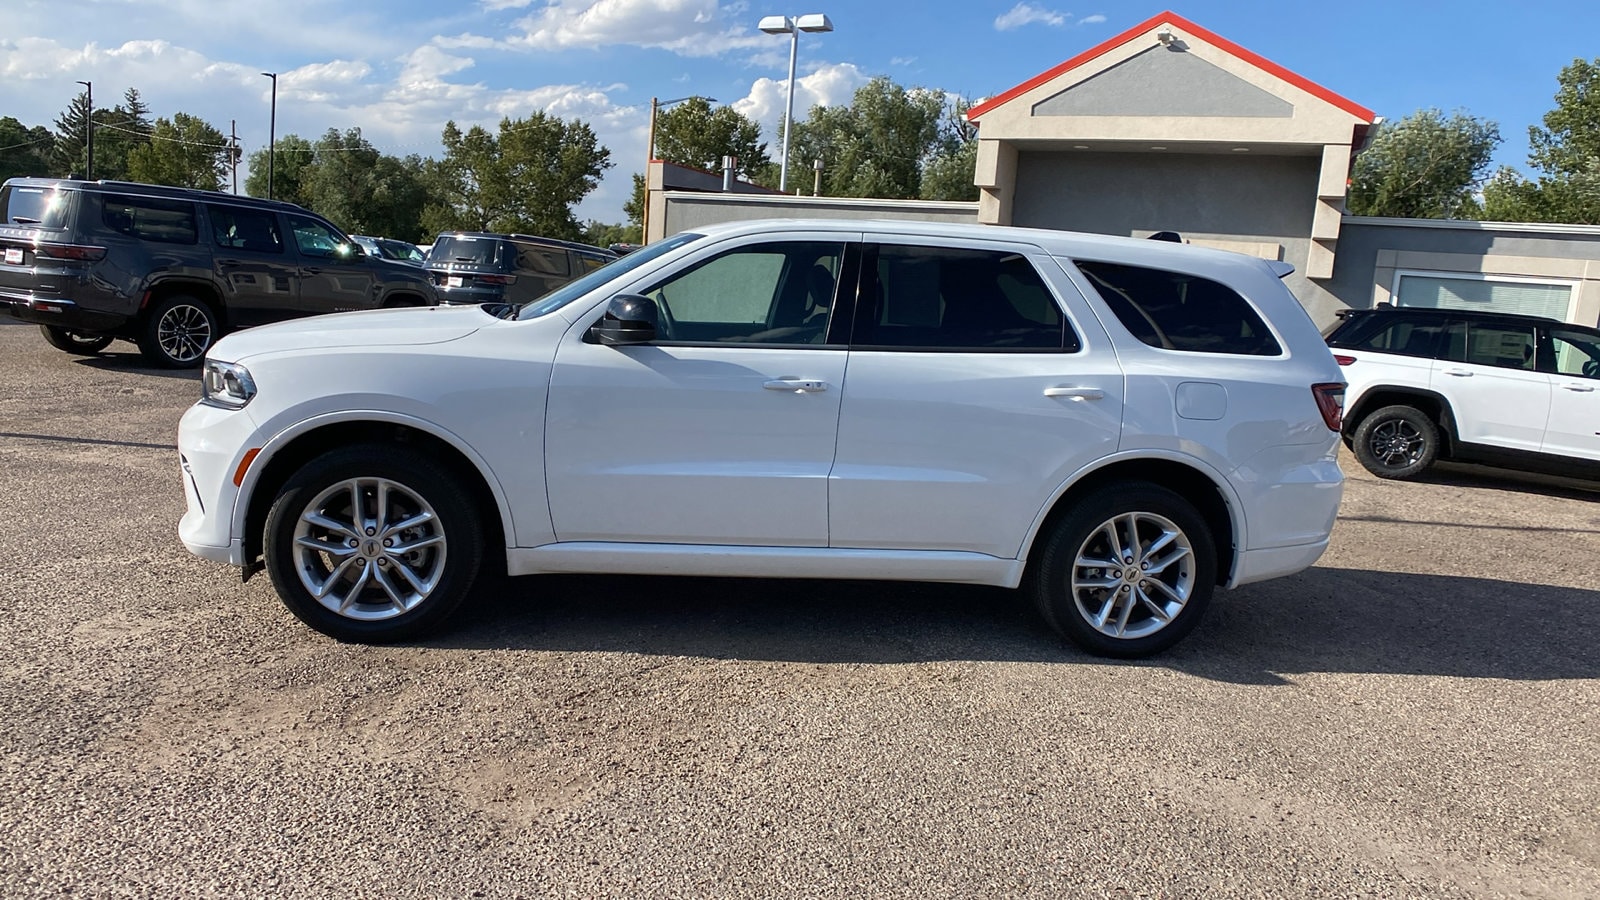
479,267
172,268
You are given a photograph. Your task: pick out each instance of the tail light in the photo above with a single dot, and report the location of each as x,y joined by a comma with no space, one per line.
1343,360
497,279
70,251
1330,402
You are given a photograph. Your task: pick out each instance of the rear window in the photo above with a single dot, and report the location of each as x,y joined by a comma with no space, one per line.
480,251
1177,311
35,207
150,219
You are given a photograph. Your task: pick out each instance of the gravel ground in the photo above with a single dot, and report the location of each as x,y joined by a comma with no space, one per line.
1414,717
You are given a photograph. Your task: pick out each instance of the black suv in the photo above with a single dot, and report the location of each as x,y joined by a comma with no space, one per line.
478,267
1511,390
172,268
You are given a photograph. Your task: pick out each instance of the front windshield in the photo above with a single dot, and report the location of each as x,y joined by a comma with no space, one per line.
561,296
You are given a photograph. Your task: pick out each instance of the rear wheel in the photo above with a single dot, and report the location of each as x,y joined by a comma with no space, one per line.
1396,442
373,543
79,342
177,332
1128,572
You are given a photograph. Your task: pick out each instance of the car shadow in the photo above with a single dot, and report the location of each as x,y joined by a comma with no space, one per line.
111,360
1322,620
1476,476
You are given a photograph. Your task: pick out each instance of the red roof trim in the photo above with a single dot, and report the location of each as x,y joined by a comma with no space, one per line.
1171,18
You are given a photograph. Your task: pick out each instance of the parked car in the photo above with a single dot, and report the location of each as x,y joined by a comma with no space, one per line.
390,249
1431,384
478,267
172,268
1119,426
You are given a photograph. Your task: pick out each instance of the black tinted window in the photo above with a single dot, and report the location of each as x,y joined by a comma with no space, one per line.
238,228
150,219
1391,333
1181,312
34,206
541,259
471,250
950,299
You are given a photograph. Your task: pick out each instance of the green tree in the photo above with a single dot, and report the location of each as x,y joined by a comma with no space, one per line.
875,147
362,190
184,151
949,172
290,161
634,208
525,178
1566,154
602,235
1425,166
24,150
119,131
71,153
694,134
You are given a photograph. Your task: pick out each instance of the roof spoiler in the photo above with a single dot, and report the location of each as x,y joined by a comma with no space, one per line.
1280,268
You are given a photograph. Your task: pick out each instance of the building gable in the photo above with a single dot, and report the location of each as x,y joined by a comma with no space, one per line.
1163,82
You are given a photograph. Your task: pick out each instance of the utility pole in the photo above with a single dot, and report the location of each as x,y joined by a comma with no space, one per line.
88,127
233,151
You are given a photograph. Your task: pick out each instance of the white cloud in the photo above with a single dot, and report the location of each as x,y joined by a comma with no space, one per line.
829,85
493,5
428,64
1027,14
1095,19
696,28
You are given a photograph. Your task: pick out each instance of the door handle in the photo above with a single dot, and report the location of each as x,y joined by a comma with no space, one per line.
1459,373
1580,388
1075,393
310,270
796,385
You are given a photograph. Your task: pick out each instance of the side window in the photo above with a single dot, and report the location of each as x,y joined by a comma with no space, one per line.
543,260
1181,312
1502,346
1393,333
778,293
957,299
1576,353
255,230
313,238
150,219
588,262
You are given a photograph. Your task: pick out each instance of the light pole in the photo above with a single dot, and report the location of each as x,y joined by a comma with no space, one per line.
88,128
815,22
272,131
655,106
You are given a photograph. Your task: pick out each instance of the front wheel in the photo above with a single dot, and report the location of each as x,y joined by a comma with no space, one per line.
81,343
1128,572
1396,442
177,332
373,543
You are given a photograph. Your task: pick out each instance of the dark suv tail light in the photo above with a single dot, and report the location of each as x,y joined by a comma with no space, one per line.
1330,401
497,279
70,251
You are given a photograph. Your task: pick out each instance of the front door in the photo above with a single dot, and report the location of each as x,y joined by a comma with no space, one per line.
332,279
722,430
256,270
975,389
1574,428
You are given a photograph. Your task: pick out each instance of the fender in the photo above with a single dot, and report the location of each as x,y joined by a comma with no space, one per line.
1230,496
283,438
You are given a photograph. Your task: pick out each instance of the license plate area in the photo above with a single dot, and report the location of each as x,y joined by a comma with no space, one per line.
13,256
454,281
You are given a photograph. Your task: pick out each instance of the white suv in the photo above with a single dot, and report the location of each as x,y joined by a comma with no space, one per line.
1427,384
1118,425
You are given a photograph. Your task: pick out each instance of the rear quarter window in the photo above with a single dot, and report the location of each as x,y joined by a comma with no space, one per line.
1178,311
1385,332
150,218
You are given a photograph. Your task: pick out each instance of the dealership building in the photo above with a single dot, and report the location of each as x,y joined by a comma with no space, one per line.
1169,127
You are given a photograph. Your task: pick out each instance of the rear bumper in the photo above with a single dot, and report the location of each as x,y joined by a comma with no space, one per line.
49,310
1275,562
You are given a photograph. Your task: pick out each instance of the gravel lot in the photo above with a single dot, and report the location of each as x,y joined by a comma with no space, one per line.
1414,717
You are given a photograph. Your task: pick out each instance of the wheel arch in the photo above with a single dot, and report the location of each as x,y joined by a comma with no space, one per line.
203,291
290,449
1190,478
1431,403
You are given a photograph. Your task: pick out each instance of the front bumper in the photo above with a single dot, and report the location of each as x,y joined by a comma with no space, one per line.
212,444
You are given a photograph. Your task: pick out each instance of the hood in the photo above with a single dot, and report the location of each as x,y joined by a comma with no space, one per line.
375,328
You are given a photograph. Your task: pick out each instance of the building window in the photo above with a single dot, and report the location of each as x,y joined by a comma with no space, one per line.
1530,297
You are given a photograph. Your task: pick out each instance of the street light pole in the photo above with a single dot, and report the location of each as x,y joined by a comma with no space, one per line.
814,22
88,128
272,131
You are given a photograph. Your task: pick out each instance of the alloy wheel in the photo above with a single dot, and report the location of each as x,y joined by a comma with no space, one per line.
369,549
1133,575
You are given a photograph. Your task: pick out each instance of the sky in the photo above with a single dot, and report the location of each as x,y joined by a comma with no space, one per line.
399,69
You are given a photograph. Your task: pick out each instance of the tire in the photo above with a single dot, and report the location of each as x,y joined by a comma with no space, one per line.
362,600
177,332
78,342
1397,442
1119,610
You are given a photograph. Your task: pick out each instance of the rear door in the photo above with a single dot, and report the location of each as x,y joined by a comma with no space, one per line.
259,276
978,381
1496,394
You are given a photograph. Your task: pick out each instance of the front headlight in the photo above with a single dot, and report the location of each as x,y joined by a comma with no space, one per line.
226,385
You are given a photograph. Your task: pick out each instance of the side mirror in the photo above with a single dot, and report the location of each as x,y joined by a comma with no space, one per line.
629,319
